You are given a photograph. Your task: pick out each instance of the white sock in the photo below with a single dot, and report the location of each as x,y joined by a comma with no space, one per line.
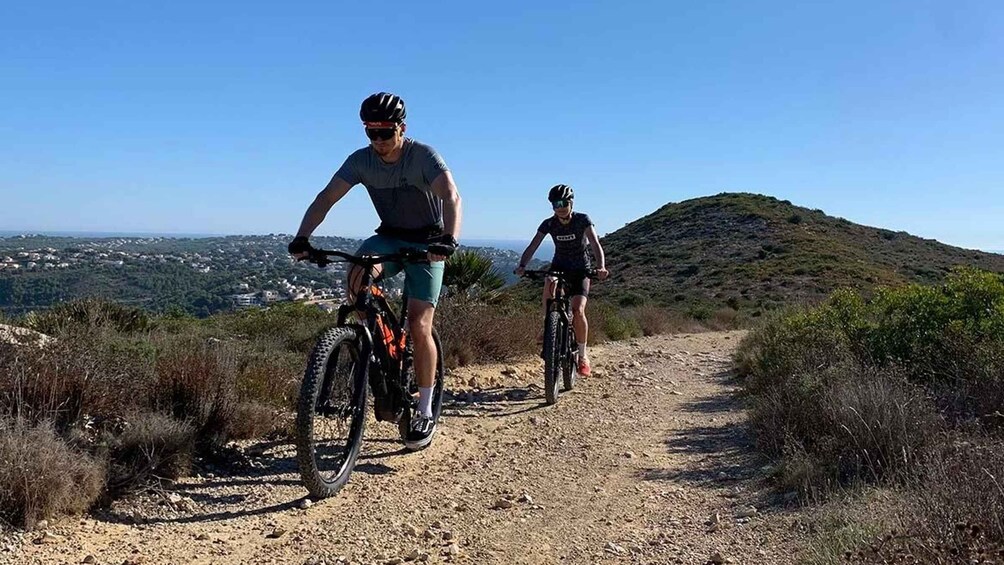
582,351
425,400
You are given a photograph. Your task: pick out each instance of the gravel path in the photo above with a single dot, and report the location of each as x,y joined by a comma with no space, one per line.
644,462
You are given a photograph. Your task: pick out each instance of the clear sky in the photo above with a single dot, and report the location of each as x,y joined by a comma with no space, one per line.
227,117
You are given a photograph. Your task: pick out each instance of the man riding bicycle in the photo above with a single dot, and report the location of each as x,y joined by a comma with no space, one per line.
570,232
419,206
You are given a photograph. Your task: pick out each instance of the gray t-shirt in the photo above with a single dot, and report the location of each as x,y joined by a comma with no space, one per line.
570,242
402,191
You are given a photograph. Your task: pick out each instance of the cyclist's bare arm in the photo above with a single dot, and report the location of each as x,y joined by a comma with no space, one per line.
444,187
530,250
594,243
336,189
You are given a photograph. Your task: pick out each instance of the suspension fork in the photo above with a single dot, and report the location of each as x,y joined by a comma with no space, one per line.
366,328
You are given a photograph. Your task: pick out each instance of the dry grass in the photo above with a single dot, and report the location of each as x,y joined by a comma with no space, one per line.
253,420
42,476
475,332
198,385
903,390
655,320
118,400
153,446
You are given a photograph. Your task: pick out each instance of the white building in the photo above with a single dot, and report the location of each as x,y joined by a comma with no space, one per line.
245,300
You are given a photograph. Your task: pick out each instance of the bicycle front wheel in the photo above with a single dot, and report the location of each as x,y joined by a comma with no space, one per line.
331,412
552,361
568,355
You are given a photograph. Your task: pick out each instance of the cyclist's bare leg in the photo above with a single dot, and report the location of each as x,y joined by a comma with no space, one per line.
420,316
580,323
550,284
354,284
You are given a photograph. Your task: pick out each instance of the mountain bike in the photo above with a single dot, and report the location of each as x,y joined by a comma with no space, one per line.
559,348
349,361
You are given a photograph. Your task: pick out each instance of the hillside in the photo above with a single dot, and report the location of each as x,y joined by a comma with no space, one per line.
753,253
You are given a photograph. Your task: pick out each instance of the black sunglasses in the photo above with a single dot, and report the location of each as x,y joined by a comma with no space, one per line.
560,204
383,134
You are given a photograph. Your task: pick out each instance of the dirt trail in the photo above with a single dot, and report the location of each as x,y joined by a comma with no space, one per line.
645,462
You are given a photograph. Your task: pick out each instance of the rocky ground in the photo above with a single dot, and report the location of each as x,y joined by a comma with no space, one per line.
644,462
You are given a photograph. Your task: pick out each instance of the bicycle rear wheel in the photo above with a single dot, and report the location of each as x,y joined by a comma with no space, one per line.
331,412
437,391
552,360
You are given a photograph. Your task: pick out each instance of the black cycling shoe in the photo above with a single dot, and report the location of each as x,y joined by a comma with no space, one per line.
420,432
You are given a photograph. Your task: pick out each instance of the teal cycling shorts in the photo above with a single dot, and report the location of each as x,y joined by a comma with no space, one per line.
422,281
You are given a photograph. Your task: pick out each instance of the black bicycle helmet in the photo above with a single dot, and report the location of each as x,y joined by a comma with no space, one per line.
383,107
560,192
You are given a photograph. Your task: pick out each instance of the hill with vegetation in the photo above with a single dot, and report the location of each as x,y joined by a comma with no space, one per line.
753,253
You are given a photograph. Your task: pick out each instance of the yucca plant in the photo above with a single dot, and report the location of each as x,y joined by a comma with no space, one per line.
473,275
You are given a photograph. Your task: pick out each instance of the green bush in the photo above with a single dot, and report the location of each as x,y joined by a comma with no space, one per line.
608,322
89,315
290,326
631,299
856,389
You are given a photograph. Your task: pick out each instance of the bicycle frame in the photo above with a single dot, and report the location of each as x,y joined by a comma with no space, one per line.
561,302
561,298
387,366
379,362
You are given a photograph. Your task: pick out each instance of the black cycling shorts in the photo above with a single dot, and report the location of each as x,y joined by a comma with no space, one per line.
578,283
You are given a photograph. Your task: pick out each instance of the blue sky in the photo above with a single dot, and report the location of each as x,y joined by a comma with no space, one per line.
227,117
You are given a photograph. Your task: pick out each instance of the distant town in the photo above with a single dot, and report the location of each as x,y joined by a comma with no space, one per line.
221,272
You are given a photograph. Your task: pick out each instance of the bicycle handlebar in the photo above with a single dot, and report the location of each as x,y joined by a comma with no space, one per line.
541,273
321,257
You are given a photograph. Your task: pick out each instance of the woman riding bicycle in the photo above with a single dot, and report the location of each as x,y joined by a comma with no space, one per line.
570,232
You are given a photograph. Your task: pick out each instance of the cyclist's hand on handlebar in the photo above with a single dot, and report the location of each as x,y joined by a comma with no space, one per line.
300,247
442,247
602,274
519,270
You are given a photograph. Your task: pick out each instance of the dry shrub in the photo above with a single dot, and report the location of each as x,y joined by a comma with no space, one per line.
63,382
152,446
723,319
902,389
883,424
963,485
655,320
139,397
87,316
253,420
268,377
475,332
41,476
844,425
952,513
198,384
